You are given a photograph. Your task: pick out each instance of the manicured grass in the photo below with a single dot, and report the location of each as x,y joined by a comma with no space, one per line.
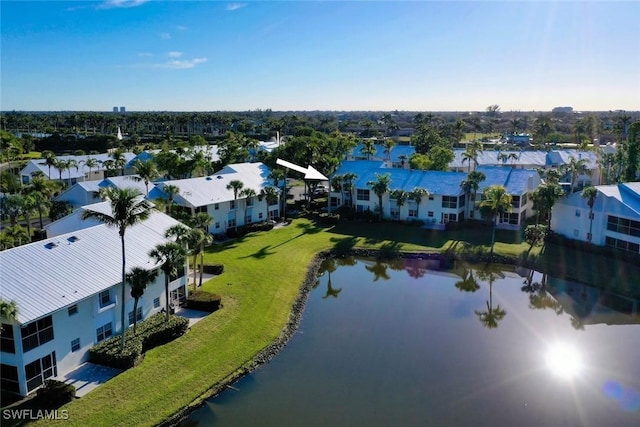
262,276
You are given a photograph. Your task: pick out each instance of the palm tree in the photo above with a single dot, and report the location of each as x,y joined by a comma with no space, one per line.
368,148
119,160
496,201
91,163
471,184
544,197
147,171
170,256
49,160
17,234
388,145
71,163
347,185
183,236
380,187
171,191
247,193
235,186
271,194
128,208
575,167
418,194
138,279
202,220
401,197
590,194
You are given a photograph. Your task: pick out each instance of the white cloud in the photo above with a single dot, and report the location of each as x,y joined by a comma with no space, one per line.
174,54
164,36
181,28
145,54
179,65
235,6
110,4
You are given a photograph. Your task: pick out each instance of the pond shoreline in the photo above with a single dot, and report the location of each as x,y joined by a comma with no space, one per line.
298,307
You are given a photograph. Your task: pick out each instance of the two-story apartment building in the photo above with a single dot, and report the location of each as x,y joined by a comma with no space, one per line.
68,293
210,194
445,201
615,220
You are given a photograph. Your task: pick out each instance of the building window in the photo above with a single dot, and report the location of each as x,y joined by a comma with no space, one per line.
413,213
395,212
461,201
217,225
247,219
104,298
75,345
362,195
509,218
622,244
430,197
450,202
216,206
104,332
576,233
232,223
515,202
7,342
73,310
260,215
578,212
39,370
249,201
430,214
138,315
156,302
9,378
36,333
232,204
624,226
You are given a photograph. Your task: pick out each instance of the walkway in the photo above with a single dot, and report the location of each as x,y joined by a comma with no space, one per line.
88,376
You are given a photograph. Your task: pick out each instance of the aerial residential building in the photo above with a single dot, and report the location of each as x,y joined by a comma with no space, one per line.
210,194
615,221
68,293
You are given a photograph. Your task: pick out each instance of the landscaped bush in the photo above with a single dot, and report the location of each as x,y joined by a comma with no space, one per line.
216,269
259,226
329,218
55,393
150,333
204,301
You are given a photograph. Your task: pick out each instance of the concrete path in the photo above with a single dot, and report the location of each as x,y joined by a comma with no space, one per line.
88,376
194,316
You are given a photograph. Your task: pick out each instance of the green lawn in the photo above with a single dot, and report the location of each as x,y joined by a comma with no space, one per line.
261,280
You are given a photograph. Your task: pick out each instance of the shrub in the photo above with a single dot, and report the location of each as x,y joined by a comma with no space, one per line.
151,332
329,218
55,393
259,226
204,301
216,269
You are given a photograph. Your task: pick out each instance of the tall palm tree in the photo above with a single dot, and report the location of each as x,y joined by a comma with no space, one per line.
128,208
380,186
271,194
203,221
401,197
368,148
418,194
388,145
590,194
496,202
183,236
471,184
348,180
71,163
171,257
235,186
91,163
49,160
544,197
248,194
119,160
138,279
575,167
171,191
147,171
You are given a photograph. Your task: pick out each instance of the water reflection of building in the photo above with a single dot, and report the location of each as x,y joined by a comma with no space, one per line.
590,305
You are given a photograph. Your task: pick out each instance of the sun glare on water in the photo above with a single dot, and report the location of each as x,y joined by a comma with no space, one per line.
564,360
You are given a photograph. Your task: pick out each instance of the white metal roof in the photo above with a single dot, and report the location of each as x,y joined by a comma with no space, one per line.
42,278
207,190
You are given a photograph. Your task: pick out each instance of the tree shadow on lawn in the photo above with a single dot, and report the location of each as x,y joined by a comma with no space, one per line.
261,254
344,245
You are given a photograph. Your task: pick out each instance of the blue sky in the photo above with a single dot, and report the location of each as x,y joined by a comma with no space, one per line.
331,55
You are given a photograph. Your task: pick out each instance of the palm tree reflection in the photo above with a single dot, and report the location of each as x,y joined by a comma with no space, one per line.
468,282
492,315
379,270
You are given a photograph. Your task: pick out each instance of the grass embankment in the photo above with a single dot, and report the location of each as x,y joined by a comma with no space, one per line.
262,278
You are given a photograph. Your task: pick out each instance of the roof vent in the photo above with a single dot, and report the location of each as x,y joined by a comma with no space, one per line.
208,178
51,245
219,176
73,239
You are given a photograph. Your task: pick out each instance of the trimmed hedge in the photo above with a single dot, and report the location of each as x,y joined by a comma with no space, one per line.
216,269
204,301
54,393
150,333
330,218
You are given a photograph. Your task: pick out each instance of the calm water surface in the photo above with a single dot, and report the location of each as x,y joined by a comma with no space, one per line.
385,344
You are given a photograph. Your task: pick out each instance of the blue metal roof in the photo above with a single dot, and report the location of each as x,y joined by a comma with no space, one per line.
516,181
